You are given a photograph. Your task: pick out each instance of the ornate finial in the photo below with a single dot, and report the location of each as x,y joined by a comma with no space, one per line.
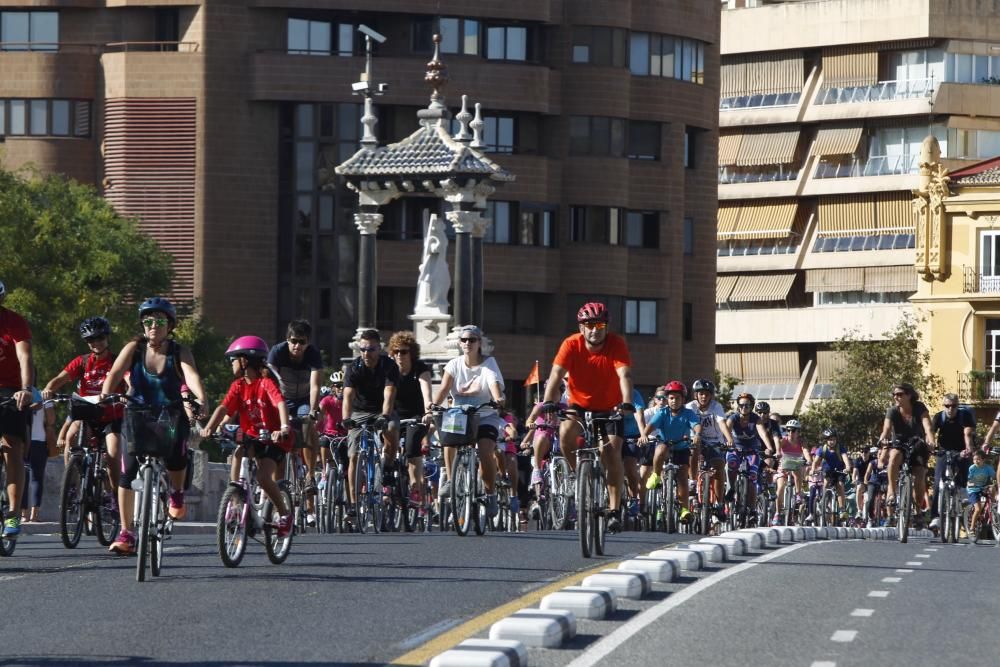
437,74
463,119
477,126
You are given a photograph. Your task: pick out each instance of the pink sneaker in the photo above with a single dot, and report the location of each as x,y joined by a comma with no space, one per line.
125,544
284,525
415,498
177,510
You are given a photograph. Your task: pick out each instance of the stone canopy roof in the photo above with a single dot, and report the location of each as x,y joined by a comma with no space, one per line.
430,151
986,172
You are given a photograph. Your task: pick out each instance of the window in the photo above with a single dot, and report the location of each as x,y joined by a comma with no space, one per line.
662,55
614,226
688,236
320,38
18,117
29,31
498,133
45,118
599,46
643,140
513,312
640,317
687,324
39,112
642,229
507,43
690,146
858,298
458,35
597,136
521,223
500,230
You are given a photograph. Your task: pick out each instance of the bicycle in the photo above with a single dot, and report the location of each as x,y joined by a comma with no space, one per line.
949,505
904,489
458,427
401,512
739,514
333,486
702,506
296,475
830,507
790,500
237,518
7,544
989,518
88,496
663,497
368,505
874,512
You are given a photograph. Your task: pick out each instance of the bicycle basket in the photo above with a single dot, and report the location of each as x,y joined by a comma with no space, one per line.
456,428
80,410
150,431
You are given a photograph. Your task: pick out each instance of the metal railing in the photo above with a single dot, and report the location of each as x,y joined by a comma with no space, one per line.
756,175
883,91
978,386
129,47
759,101
110,47
875,165
974,282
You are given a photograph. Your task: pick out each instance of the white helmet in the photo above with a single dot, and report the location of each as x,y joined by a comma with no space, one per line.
793,423
336,377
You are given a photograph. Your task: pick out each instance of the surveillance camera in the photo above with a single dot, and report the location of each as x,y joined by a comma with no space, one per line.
359,86
382,87
368,32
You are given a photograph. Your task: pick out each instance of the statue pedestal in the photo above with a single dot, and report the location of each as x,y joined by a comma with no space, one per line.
431,330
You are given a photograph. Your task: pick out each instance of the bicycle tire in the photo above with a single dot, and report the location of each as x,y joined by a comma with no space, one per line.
376,499
955,512
142,542
970,530
277,548
230,531
7,544
71,508
479,518
409,514
904,503
160,518
788,502
361,506
107,521
600,510
584,505
461,494
706,505
559,497
670,503
742,509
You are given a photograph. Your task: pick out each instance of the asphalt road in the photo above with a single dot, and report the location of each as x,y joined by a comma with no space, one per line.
337,600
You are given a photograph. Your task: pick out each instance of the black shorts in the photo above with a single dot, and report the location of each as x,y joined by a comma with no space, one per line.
680,457
487,432
108,428
414,440
266,450
631,449
14,423
712,453
603,428
919,455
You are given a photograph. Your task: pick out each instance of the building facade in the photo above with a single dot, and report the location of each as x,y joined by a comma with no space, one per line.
824,107
217,122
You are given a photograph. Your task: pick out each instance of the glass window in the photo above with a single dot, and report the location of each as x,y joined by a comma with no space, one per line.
319,38
39,117
505,135
501,222
688,240
581,44
981,69
298,36
3,118
579,135
60,118
495,43
963,68
517,43
14,31
44,31
345,39
81,119
449,28
640,316
304,120
304,165
638,58
423,31
470,37
643,140
18,118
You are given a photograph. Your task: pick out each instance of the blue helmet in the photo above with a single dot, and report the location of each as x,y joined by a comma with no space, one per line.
158,304
94,326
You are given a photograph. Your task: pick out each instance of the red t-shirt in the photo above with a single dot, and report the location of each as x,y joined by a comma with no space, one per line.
593,376
331,407
90,371
256,403
13,329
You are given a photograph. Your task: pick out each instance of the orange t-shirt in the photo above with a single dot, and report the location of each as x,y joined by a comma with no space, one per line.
593,376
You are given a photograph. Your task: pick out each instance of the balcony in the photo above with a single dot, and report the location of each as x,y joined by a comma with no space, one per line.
823,324
974,282
883,91
771,174
978,387
875,165
759,101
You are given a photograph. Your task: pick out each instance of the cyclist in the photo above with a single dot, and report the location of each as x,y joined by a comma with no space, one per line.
473,379
370,391
298,365
600,380
981,475
749,435
859,474
907,419
632,453
542,437
506,455
955,430
157,367
89,371
331,417
682,426
257,400
16,369
793,453
773,427
875,477
832,459
413,401
714,433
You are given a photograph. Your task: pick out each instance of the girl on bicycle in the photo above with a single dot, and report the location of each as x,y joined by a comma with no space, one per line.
542,438
157,367
793,453
255,397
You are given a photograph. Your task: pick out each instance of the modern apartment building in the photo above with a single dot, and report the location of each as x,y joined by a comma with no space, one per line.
216,122
823,109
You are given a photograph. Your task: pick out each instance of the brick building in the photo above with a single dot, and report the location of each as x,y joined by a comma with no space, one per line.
216,123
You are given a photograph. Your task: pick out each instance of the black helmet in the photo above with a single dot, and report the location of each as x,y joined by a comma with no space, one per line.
94,326
703,385
762,406
829,432
158,304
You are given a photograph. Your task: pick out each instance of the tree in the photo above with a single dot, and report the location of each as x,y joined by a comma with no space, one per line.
724,386
862,386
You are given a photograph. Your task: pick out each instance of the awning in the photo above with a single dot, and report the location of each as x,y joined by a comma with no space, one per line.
760,363
729,148
727,217
829,362
847,66
835,280
764,148
837,140
734,79
894,213
762,287
890,279
762,220
723,287
880,213
775,73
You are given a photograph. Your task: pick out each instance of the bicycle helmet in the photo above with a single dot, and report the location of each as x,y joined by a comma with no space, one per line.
829,432
762,406
793,424
325,391
594,311
745,396
3,290
336,377
251,347
675,387
160,305
704,385
94,326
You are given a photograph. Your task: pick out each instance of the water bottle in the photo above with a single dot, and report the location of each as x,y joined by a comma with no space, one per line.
165,425
264,436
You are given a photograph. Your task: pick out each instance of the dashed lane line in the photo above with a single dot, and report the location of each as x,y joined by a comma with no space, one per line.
904,571
891,580
844,636
878,594
862,613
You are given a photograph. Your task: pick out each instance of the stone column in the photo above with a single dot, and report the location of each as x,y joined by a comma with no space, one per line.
367,224
478,232
464,222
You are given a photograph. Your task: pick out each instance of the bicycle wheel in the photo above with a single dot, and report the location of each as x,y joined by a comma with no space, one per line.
277,548
584,507
956,514
904,505
787,503
230,530
461,494
742,505
6,544
160,519
560,495
705,510
376,499
479,518
106,519
361,505
670,510
600,510
145,529
71,511
340,502
407,519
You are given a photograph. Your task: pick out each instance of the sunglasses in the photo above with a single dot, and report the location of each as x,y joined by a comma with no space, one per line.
368,349
469,340
744,406
594,325
95,339
792,430
897,394
158,321
298,341
949,406
401,353
660,397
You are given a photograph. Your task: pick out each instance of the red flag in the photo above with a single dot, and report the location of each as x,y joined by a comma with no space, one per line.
532,376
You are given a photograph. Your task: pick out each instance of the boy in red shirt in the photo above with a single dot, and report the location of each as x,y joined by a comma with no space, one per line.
261,407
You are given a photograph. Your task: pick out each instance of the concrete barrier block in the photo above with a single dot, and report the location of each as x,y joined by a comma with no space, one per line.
659,570
712,552
591,602
631,584
483,653
734,547
755,539
685,559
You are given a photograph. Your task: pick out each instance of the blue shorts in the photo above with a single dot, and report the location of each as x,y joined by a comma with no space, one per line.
630,448
975,496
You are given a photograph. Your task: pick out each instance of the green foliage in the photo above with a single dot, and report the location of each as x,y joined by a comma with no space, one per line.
724,386
862,387
70,256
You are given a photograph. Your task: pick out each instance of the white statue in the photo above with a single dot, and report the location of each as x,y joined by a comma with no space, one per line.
434,280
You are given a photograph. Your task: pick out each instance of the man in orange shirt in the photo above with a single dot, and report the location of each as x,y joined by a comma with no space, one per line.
600,381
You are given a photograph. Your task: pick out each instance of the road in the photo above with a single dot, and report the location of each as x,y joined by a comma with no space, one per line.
371,599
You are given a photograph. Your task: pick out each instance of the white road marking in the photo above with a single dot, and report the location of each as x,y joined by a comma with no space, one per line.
424,635
878,594
923,556
904,571
914,563
823,663
932,548
596,654
863,613
844,636
891,580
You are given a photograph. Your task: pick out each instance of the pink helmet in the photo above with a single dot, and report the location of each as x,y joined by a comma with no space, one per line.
595,311
251,347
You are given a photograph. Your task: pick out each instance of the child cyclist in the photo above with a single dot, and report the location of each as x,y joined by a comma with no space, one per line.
981,476
257,400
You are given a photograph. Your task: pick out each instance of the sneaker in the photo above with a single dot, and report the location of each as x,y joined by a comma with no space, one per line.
844,516
633,508
775,520
125,544
12,527
535,511
284,525
685,514
515,505
614,524
310,486
415,496
492,508
310,520
809,518
322,483
445,490
935,523
177,510
536,476
653,481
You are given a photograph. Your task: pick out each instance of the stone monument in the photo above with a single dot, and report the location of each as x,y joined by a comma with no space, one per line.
430,312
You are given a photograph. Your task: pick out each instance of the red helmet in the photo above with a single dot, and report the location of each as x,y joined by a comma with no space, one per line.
251,347
675,387
595,311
